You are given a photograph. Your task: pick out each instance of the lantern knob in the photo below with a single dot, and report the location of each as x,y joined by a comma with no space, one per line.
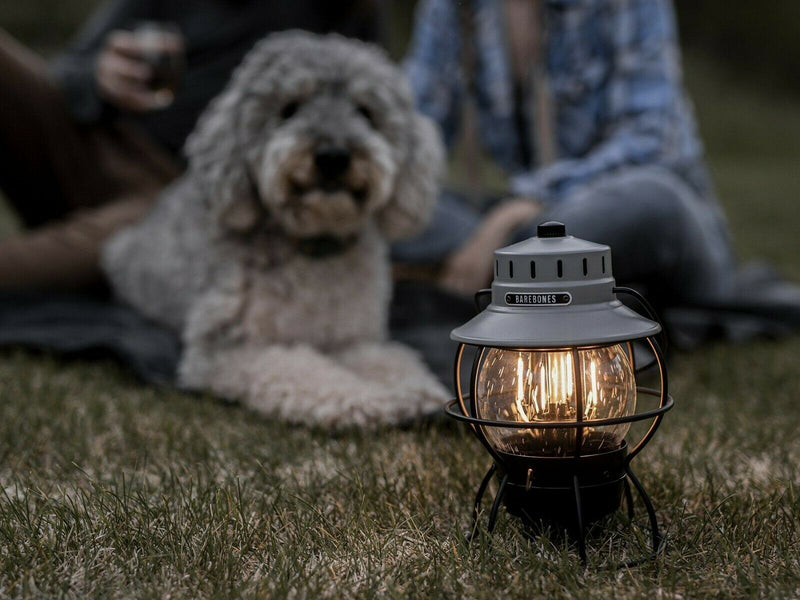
551,229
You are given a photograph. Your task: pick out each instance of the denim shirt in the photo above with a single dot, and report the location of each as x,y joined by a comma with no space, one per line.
615,80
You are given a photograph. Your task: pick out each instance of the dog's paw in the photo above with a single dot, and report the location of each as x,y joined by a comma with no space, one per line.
366,386
333,406
397,367
302,386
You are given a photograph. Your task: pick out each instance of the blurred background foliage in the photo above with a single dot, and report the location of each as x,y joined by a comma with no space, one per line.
44,24
757,41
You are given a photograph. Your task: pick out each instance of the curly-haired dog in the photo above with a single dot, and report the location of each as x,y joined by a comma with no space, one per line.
270,254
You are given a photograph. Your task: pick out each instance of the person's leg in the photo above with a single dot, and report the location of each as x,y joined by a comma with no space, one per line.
75,184
662,235
64,255
46,161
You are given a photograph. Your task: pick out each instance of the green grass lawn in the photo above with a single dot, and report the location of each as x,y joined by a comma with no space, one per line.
109,488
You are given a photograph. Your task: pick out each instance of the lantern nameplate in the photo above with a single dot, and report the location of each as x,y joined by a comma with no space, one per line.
538,299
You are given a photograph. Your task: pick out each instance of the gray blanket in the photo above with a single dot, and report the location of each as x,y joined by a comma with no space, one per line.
421,316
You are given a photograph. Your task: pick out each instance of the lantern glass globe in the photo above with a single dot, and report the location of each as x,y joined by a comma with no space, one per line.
560,385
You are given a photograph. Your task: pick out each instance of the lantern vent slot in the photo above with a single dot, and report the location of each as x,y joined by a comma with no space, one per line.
560,268
511,269
533,269
497,268
603,263
585,267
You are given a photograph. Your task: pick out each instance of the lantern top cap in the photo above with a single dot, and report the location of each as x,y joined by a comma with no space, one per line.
553,291
554,241
551,229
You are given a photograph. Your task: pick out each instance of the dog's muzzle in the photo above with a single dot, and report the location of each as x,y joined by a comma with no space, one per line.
324,246
331,161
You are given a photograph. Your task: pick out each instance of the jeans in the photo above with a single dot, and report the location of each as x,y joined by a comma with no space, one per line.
72,184
663,235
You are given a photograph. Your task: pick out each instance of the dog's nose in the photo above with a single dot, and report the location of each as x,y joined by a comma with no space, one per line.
331,161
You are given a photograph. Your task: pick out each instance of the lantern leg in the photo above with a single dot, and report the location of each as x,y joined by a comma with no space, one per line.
579,515
629,498
476,508
496,505
651,512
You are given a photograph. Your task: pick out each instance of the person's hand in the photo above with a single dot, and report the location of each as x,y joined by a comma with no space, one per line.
123,76
469,268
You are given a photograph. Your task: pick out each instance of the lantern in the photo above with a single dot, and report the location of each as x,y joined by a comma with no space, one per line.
553,390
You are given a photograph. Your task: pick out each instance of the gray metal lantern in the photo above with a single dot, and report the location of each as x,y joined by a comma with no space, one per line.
553,387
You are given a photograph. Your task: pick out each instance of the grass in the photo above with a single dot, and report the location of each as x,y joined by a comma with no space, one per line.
112,489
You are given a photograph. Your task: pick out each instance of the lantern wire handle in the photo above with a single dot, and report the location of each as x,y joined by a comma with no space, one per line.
648,308
480,297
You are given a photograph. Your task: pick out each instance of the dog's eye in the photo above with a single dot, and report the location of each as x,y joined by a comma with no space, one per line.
367,114
289,109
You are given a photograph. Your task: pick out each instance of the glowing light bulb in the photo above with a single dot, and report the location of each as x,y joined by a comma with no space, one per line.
521,376
528,386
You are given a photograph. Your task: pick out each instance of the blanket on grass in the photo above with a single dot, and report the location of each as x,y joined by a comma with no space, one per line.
97,326
421,316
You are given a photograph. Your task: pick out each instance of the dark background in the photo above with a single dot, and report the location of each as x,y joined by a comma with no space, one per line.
741,62
753,40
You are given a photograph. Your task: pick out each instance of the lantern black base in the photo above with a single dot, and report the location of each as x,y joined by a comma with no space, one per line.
568,492
543,488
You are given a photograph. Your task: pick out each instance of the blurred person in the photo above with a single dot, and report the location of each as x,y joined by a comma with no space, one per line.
581,103
87,142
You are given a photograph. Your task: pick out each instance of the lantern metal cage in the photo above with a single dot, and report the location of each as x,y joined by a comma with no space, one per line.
582,482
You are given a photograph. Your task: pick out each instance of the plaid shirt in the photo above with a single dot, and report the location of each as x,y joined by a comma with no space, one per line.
615,80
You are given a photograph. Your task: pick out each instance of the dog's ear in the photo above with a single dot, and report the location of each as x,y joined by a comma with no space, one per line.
417,182
216,159
217,147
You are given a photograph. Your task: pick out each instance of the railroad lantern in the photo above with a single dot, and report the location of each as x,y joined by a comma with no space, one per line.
553,389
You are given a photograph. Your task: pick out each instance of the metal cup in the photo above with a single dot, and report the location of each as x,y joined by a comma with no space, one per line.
163,50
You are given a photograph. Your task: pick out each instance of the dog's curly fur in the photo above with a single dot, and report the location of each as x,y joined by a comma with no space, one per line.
292,336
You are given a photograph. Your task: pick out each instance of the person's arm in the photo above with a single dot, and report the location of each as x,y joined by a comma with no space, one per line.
433,64
74,69
642,99
469,268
